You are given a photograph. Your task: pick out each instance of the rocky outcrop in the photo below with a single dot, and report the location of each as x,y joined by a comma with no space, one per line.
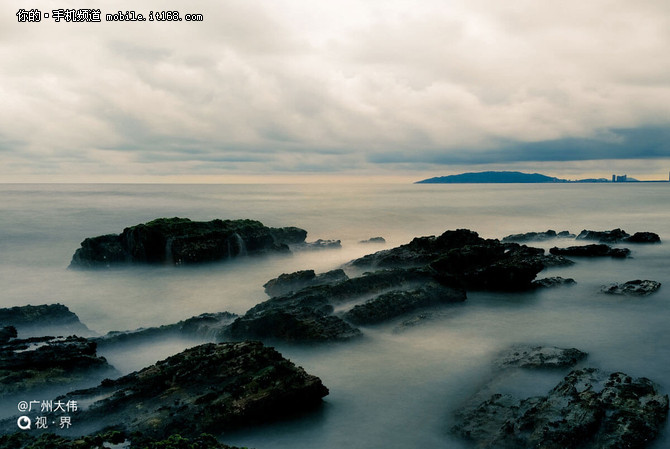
537,236
644,237
318,244
378,240
397,303
208,388
26,440
307,315
33,363
587,409
554,281
462,259
593,250
539,357
619,235
632,288
205,326
7,333
182,241
290,282
47,319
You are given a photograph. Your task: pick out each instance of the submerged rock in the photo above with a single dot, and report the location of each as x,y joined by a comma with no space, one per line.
38,362
587,410
287,283
554,281
7,333
633,288
537,236
209,388
182,241
619,235
47,319
593,250
535,357
206,325
397,303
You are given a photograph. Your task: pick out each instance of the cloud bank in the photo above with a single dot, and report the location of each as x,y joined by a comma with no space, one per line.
292,86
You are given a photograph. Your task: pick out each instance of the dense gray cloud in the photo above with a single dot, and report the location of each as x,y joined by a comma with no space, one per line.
291,86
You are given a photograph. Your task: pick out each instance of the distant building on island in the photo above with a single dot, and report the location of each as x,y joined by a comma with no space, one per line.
617,178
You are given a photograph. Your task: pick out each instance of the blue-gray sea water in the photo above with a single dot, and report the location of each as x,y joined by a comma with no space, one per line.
390,389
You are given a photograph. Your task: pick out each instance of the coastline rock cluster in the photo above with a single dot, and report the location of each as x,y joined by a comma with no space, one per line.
207,388
587,409
182,241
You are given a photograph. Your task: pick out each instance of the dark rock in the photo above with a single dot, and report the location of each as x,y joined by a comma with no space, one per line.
7,333
644,237
43,320
29,364
208,388
182,241
553,282
298,280
619,235
307,315
633,288
536,236
420,251
490,266
593,250
26,440
374,240
536,357
397,303
463,259
318,244
613,236
206,325
586,410
289,235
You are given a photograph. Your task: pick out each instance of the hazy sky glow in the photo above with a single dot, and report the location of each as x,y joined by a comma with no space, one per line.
287,87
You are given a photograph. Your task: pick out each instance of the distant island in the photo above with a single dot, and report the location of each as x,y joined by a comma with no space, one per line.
515,177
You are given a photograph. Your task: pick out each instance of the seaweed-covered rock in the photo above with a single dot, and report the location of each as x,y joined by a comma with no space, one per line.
206,325
397,303
182,241
537,236
535,357
553,281
46,319
290,282
637,287
208,388
39,362
587,410
593,250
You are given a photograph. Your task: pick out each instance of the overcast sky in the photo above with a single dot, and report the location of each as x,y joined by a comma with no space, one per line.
375,87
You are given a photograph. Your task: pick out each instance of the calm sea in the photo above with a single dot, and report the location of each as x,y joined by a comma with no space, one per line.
390,389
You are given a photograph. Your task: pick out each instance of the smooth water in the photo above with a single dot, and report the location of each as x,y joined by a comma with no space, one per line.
390,389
